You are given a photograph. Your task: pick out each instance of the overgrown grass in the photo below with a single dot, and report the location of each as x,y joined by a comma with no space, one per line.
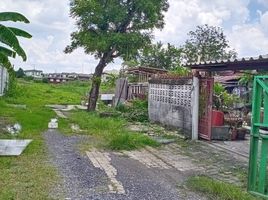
217,190
29,176
111,131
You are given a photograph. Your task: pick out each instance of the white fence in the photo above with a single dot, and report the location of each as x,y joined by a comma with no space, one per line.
170,103
3,80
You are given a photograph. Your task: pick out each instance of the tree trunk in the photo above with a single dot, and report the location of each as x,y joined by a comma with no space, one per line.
94,92
96,80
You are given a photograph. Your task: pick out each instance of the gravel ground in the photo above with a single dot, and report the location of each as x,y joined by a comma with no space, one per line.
81,180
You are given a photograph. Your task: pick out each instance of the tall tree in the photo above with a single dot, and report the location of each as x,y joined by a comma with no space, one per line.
109,29
20,73
208,42
9,43
159,56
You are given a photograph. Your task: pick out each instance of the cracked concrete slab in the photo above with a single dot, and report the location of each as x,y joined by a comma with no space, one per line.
102,160
13,147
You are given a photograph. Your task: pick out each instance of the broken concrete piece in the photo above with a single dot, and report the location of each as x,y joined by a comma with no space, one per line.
60,114
75,128
67,107
14,129
13,147
53,124
164,140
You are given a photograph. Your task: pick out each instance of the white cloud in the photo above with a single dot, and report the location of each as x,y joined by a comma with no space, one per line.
185,15
263,2
51,27
249,40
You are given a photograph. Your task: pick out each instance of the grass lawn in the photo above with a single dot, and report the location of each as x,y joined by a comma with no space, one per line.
217,190
29,176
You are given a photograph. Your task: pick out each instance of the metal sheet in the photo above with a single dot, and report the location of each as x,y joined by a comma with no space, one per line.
13,147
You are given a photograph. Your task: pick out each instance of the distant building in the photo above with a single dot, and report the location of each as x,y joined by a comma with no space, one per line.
34,73
66,77
84,77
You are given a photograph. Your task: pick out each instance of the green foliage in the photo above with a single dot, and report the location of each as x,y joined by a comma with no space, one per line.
222,99
208,42
20,73
124,26
29,176
182,71
28,78
111,29
217,190
45,80
8,37
158,56
137,111
111,80
111,131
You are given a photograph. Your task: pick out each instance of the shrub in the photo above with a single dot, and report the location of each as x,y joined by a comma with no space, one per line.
136,111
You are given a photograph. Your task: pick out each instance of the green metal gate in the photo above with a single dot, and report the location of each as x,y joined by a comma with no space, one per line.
258,174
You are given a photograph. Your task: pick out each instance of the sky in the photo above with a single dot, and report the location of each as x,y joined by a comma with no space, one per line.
245,23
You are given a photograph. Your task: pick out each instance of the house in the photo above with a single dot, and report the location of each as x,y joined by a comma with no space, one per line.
58,77
65,77
84,77
34,73
230,81
3,80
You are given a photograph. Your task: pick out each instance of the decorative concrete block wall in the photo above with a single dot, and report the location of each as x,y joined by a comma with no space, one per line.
170,103
3,80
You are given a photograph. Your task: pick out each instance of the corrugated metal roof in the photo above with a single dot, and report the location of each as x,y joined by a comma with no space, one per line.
259,62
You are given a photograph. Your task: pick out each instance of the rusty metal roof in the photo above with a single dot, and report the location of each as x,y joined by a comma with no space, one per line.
249,63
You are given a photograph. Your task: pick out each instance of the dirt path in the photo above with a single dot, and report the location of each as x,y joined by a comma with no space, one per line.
144,174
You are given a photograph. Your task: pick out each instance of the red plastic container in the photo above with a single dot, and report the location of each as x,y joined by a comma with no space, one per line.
217,118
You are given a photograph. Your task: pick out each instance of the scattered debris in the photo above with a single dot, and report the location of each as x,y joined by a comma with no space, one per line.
53,124
75,128
66,107
60,114
13,147
14,129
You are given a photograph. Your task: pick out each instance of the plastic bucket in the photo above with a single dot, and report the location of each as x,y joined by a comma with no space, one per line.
217,118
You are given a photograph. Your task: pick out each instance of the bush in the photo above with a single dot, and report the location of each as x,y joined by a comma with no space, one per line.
45,80
136,111
28,78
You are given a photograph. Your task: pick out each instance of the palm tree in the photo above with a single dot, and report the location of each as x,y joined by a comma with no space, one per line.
9,43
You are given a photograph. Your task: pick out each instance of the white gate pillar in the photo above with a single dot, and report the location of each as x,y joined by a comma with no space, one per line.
195,107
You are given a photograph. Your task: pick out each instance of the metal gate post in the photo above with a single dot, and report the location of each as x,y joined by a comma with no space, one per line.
257,177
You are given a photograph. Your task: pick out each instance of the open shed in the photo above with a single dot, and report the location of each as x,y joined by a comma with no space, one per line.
204,72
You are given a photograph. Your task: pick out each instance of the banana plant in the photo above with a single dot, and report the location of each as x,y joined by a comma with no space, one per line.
9,43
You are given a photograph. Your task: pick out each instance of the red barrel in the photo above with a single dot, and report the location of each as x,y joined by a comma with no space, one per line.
217,118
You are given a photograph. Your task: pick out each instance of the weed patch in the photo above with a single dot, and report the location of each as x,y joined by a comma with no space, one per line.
217,190
137,111
112,131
